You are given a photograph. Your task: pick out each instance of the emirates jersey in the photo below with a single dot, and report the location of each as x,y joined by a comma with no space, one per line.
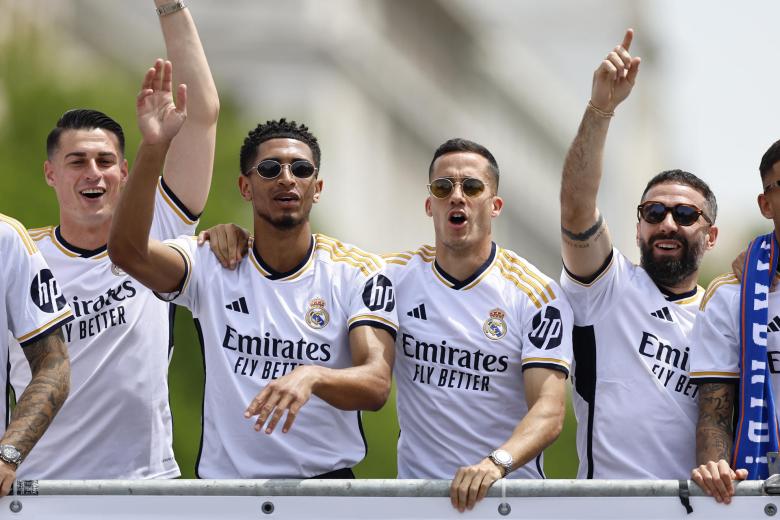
461,352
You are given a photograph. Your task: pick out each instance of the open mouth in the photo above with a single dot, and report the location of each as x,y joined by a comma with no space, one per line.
457,217
667,245
93,193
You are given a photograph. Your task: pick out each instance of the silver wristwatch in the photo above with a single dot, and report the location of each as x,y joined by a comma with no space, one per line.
166,9
10,454
503,459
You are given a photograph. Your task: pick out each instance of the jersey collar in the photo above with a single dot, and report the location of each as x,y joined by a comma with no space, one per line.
471,281
268,272
73,251
672,297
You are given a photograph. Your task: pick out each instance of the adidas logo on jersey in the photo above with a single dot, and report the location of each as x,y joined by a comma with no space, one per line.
663,314
238,306
774,324
418,312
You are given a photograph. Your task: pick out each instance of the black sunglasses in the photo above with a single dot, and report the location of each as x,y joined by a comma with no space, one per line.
654,212
271,168
443,187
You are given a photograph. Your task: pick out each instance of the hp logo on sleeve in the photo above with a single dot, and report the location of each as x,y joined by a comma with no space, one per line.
546,329
379,294
45,292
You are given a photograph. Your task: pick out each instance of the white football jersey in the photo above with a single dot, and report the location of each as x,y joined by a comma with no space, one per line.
116,422
461,351
32,303
634,400
257,325
716,336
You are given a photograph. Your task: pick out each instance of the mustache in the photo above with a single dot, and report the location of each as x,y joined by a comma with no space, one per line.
670,236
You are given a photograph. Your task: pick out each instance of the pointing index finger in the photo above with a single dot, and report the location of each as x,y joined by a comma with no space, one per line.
627,39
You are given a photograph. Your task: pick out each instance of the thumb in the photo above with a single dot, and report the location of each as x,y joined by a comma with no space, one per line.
741,474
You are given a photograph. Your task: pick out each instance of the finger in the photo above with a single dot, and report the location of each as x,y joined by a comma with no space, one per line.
232,248
148,82
717,483
741,474
167,76
607,70
454,488
633,70
615,60
5,487
181,99
477,483
202,237
257,403
281,407
266,411
463,493
157,81
292,413
624,56
217,244
145,93
627,39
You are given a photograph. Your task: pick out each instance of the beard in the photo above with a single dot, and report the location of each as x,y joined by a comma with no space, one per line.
284,222
671,271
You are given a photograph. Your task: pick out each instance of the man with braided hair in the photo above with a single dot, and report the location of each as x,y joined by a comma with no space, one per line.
303,328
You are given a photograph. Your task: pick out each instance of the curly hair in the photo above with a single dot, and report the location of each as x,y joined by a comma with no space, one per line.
275,130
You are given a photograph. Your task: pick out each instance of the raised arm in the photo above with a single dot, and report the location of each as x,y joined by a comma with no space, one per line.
40,401
714,441
545,391
190,160
150,262
364,386
585,239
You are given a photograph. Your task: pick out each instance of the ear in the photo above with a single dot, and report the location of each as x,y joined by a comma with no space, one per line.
123,172
498,204
712,237
48,173
318,189
637,233
765,206
245,187
428,207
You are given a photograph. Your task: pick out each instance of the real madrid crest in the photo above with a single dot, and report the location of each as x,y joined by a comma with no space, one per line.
495,326
317,317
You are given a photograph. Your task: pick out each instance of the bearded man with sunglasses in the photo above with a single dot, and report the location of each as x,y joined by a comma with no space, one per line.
634,401
484,345
301,332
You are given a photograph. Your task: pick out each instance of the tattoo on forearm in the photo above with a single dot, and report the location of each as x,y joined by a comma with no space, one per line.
714,431
587,237
45,394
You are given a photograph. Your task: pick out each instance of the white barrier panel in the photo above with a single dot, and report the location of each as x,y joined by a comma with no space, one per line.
381,499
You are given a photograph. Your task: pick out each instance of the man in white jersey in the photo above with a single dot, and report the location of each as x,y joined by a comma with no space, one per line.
715,366
484,345
633,398
117,421
303,329
32,310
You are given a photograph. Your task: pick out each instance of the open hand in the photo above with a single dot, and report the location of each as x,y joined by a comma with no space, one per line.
160,117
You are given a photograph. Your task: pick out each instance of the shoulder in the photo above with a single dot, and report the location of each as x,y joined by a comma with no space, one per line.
539,288
346,255
725,286
13,232
403,262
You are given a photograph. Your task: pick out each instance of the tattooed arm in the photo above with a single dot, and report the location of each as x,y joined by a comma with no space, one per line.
714,437
585,240
40,401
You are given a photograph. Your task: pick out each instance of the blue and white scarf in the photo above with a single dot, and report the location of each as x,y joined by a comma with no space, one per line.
757,431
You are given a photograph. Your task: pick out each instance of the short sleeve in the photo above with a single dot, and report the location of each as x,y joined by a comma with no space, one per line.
34,300
372,301
715,347
547,332
591,299
171,217
186,293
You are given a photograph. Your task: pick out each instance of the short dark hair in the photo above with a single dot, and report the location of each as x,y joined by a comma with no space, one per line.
771,156
464,145
274,130
84,119
686,179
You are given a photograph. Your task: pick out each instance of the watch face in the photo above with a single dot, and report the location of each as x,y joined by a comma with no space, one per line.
10,452
502,457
